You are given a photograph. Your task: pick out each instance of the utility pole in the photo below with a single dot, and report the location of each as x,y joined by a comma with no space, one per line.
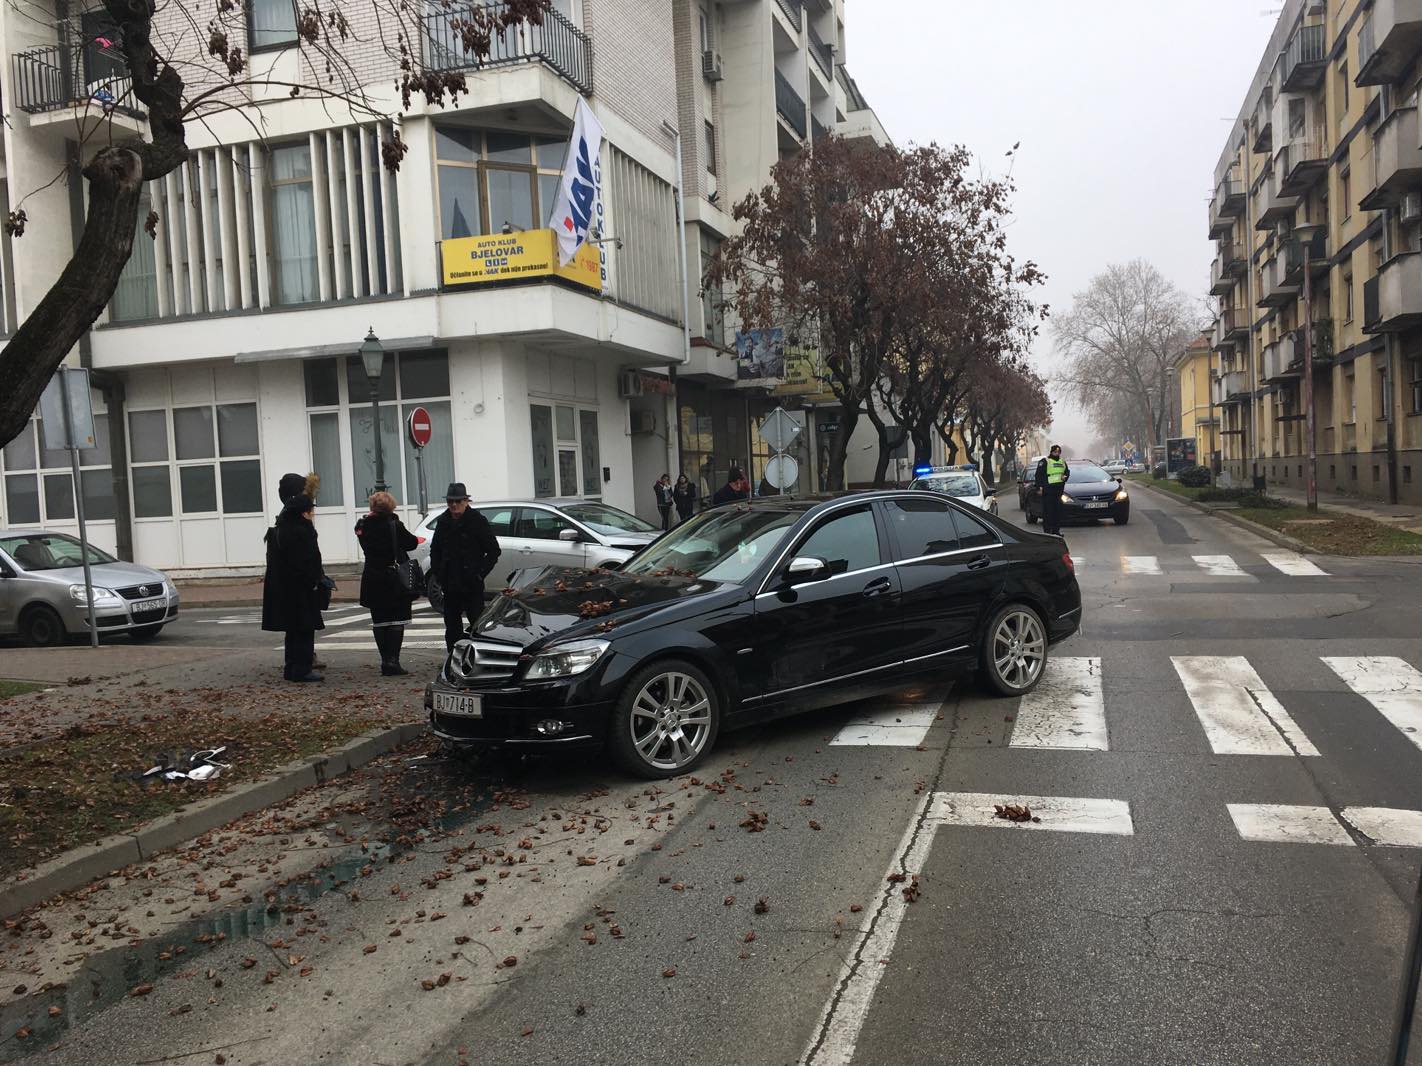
1305,234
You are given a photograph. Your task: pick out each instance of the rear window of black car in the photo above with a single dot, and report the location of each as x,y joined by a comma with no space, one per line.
971,532
921,527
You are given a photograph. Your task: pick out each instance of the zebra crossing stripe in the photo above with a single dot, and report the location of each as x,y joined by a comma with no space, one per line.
1219,566
1386,826
1140,564
1239,714
1390,684
1293,564
893,727
1288,824
1066,710
1063,814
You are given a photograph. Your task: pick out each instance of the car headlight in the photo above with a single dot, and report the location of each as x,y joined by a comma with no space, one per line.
170,588
566,660
1122,495
101,595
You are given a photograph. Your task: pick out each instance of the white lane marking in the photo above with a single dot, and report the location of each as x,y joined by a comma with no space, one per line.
1386,826
1219,566
1063,814
1390,684
1284,823
1293,564
898,727
364,616
837,1034
1066,710
1238,712
1140,564
370,645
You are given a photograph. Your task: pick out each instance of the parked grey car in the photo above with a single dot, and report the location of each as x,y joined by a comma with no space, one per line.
42,590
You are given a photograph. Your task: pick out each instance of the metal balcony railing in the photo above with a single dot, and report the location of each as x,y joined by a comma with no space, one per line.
68,75
557,44
820,130
794,10
854,99
1304,58
1367,42
789,105
821,53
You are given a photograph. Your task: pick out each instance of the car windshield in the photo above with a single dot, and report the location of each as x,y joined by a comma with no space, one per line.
608,521
1088,472
950,484
49,551
719,545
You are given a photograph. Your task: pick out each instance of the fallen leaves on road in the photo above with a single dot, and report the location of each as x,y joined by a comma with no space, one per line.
755,821
670,971
1015,812
762,905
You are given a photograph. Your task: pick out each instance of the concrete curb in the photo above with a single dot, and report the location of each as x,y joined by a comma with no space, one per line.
79,866
1235,520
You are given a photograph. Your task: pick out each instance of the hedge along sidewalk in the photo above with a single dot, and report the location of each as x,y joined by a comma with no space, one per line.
164,817
1327,531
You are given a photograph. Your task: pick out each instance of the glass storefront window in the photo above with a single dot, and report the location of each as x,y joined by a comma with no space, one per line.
237,430
323,387
148,436
424,374
22,499
541,420
152,492
192,433
198,485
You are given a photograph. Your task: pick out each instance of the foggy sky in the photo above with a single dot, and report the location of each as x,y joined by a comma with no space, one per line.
1122,108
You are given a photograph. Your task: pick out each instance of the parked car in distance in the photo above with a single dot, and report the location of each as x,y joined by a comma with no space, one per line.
42,596
752,611
1090,494
1116,467
538,533
960,483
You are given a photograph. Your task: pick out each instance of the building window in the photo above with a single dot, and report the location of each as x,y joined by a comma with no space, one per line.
407,381
1348,296
294,225
1415,378
273,24
713,311
1350,395
1344,88
1380,396
136,296
212,455
707,41
565,444
493,181
711,147
29,467
1345,192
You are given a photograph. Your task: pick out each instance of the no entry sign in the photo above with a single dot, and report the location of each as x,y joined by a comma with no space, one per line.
420,428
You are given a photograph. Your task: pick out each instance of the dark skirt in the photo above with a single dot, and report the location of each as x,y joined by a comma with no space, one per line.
382,593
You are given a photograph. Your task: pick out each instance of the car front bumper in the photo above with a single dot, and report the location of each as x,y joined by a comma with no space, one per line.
510,715
1077,512
116,618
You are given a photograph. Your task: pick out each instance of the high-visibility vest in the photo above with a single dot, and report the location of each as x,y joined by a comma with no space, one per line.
1056,471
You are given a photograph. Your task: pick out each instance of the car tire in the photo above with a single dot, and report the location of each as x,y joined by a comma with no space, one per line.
1121,519
661,695
145,633
1014,650
435,595
41,627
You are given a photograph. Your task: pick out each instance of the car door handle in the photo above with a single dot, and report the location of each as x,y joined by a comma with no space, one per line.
878,587
980,562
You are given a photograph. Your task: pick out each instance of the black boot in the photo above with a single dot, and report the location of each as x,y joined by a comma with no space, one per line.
394,638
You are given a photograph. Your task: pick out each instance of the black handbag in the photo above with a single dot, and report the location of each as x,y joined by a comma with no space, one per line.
324,588
409,572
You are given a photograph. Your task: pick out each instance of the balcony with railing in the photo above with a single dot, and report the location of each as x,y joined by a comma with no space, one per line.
819,129
1399,295
1221,281
793,10
1231,327
1389,38
1233,386
1305,59
1292,348
790,106
1274,289
1227,204
821,53
74,74
1271,206
1303,160
557,44
1397,159
1293,255
1275,363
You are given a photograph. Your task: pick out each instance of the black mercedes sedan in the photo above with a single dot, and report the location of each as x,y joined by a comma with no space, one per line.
1091,494
749,612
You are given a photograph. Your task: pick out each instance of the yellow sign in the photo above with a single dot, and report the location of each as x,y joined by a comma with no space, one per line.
803,373
508,256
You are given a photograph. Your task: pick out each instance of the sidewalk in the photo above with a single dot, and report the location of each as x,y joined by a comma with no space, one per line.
1401,515
247,591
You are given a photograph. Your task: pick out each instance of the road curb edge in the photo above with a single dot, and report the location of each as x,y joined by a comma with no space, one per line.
1281,539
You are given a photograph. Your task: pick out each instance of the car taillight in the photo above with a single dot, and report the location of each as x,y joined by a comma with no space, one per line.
1066,558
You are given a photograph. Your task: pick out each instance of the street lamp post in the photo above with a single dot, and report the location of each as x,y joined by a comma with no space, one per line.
372,357
1306,234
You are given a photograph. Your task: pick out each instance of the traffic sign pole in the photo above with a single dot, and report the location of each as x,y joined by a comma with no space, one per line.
421,430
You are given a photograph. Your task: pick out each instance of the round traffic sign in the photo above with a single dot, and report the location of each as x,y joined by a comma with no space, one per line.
782,471
420,427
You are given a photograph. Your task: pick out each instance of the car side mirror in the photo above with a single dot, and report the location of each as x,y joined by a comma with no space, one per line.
806,568
570,536
989,492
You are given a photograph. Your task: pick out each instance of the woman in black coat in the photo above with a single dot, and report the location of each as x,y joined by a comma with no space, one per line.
684,493
384,539
292,592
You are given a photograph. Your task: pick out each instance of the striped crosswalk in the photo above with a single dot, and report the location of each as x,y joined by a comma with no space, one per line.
1269,564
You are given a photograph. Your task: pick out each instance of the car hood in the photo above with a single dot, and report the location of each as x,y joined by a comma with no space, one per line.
630,541
558,601
1091,488
106,575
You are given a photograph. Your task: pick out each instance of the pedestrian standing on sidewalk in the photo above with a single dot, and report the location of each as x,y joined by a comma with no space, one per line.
463,552
386,542
735,488
684,493
295,588
1051,479
666,499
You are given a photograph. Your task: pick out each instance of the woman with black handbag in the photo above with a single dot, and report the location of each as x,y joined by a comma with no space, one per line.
390,581
295,589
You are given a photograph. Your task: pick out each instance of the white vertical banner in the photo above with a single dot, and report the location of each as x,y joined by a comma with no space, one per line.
573,211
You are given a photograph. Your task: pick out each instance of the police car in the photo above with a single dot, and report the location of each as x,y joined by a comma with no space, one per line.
962,482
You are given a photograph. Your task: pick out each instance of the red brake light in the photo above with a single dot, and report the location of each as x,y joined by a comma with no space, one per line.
1066,558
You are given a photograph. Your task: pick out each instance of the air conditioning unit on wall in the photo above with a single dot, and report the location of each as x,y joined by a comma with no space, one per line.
1411,210
629,384
643,423
711,66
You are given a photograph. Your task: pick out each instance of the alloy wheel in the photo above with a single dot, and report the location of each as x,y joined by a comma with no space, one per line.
1019,648
670,720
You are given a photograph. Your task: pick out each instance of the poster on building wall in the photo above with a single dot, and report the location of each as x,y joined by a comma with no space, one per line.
760,353
803,373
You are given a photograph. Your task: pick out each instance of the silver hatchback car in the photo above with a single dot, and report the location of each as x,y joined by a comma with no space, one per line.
42,595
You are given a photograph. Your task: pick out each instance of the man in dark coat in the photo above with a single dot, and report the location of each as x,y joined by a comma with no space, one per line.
735,488
292,590
462,554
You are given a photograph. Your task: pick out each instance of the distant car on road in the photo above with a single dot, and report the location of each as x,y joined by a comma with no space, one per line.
1116,467
960,483
42,596
751,611
1090,494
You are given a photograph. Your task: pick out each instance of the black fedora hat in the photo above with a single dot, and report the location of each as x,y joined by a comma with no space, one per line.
456,491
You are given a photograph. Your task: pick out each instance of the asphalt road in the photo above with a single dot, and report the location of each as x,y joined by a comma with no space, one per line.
1226,853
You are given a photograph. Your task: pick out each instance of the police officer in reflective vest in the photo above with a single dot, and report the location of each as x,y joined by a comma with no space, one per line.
1052,476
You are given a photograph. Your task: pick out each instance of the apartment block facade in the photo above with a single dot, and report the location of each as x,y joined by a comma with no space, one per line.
228,355
1318,195
1193,412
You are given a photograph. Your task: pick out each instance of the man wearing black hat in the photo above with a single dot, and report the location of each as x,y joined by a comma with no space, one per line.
462,553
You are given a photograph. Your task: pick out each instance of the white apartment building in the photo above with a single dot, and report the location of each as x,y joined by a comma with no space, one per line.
228,355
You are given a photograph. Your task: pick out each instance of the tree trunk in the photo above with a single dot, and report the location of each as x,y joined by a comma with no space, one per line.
881,467
83,289
922,447
987,462
839,447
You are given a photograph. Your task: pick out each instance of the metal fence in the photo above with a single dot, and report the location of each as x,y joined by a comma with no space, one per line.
789,105
67,75
557,44
793,10
822,53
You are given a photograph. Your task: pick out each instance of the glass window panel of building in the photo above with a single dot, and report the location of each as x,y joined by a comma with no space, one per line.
37,482
205,459
490,180
293,225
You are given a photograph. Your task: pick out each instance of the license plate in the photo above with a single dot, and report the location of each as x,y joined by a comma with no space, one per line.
459,706
1096,506
148,605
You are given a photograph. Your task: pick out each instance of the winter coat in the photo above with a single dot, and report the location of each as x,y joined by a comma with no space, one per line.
685,499
380,588
728,494
464,550
291,587
664,495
